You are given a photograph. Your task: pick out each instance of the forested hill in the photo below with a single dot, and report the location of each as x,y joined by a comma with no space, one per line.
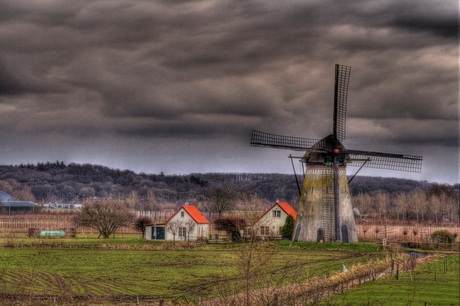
75,182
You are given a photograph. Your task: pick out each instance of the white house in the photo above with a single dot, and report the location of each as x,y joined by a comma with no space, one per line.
272,221
186,223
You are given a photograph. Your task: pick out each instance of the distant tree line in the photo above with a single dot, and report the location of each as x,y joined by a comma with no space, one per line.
54,182
435,204
377,197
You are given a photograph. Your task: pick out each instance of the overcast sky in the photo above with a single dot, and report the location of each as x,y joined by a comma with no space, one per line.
177,86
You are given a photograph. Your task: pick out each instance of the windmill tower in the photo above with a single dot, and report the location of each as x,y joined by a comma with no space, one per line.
325,210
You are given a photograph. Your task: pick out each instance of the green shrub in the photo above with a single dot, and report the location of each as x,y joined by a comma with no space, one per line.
288,228
442,236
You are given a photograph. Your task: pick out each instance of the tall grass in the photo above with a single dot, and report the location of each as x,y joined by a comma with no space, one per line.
433,283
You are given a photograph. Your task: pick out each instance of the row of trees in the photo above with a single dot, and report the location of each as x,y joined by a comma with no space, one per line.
384,198
57,182
106,216
60,182
418,205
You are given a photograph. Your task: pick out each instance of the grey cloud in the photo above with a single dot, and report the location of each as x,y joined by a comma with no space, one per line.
9,84
441,19
193,70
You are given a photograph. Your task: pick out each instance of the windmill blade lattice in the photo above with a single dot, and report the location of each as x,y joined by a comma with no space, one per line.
388,161
342,78
262,139
325,207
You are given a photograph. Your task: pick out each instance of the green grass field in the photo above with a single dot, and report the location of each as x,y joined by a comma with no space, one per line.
128,269
434,283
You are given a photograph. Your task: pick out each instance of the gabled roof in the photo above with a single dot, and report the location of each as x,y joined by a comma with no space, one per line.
193,212
20,204
5,196
285,207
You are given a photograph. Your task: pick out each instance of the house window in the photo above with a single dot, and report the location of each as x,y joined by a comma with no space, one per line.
182,214
182,232
264,230
277,214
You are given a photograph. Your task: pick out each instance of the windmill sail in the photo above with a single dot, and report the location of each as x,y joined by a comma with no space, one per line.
262,139
342,78
325,207
388,161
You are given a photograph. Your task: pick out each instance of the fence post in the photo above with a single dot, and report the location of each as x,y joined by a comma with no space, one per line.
275,300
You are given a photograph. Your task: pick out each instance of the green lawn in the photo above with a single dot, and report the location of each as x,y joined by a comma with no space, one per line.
125,266
434,283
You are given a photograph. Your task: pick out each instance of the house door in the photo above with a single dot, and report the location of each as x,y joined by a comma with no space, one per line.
160,233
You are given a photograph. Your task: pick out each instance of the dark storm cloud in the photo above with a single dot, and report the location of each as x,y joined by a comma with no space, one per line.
9,84
441,19
139,73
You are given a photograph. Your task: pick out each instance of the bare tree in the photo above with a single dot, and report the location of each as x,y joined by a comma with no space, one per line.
363,202
382,202
106,216
132,201
253,207
151,201
17,191
24,194
453,207
435,207
141,222
401,205
173,227
223,198
417,200
189,227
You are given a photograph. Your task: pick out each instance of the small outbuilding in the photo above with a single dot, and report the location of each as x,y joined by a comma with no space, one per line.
155,231
10,206
186,223
13,207
272,221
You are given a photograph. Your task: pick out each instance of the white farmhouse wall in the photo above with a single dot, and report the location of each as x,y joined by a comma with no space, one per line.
274,223
183,218
148,232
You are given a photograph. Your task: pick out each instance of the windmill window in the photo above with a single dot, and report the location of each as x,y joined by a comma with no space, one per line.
277,214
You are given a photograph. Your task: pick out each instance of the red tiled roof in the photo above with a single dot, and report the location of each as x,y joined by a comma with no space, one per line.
193,212
287,209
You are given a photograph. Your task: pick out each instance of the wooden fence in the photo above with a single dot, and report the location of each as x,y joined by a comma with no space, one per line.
20,223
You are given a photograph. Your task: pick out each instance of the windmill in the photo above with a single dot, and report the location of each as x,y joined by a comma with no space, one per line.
325,210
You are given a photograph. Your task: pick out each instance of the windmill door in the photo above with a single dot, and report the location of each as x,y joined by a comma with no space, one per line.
345,234
320,235
297,232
